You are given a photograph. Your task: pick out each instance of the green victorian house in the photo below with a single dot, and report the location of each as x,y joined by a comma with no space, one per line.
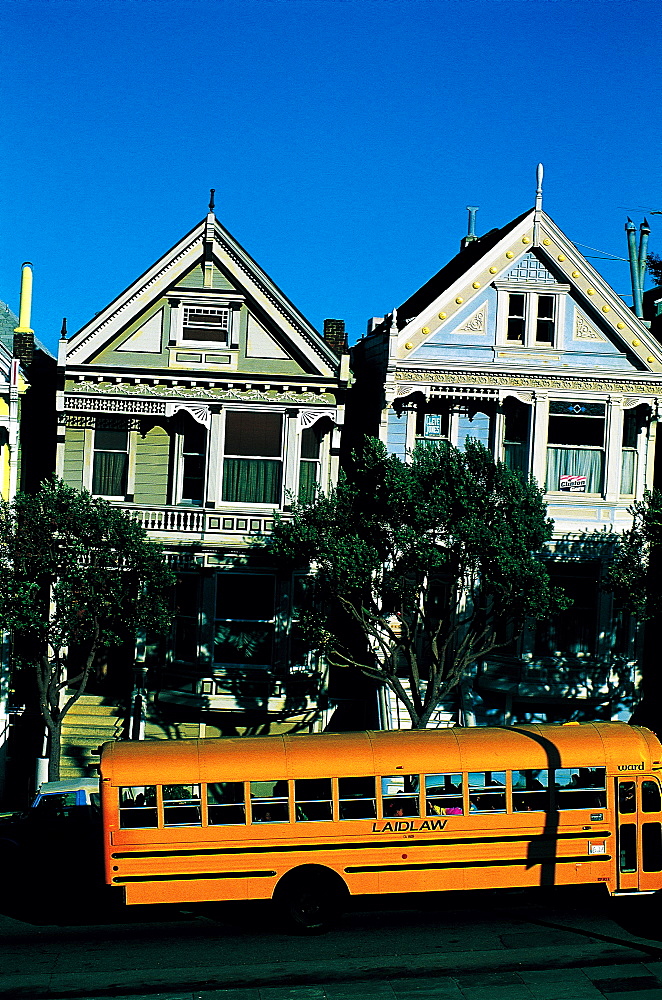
202,402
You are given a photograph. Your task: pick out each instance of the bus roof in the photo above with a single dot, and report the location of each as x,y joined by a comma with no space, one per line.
430,751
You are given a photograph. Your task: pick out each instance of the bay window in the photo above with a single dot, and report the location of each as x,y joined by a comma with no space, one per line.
575,447
252,466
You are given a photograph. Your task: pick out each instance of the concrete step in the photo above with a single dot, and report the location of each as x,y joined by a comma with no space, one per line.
93,723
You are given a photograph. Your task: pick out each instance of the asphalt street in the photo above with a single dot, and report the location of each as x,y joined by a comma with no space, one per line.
476,946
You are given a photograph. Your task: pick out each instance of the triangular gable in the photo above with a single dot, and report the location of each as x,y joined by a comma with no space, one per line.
532,251
208,248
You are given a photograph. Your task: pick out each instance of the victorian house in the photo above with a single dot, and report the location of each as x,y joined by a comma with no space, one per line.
520,343
203,403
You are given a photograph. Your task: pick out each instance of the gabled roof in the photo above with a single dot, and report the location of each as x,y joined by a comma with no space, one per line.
454,269
163,275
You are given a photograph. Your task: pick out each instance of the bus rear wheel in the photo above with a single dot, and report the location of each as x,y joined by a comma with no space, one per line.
310,902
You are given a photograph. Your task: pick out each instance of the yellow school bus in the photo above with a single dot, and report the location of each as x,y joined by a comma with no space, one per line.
309,819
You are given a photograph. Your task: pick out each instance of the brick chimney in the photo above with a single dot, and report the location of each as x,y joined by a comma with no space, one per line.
23,333
335,336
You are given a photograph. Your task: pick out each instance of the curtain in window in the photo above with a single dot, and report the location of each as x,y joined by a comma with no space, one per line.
628,471
109,477
251,480
515,457
307,481
574,462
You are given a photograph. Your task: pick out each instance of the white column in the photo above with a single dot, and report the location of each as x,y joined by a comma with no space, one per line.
538,438
613,448
292,452
214,458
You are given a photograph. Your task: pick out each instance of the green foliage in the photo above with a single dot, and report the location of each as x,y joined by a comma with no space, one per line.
79,575
635,573
654,267
421,568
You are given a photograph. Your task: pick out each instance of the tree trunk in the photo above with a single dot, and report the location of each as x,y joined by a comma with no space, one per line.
55,749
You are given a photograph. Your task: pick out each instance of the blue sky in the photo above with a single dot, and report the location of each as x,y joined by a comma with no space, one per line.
344,138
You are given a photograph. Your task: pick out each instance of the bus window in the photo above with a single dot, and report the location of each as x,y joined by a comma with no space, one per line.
443,794
269,802
580,788
357,798
314,799
138,807
225,803
530,791
650,797
627,797
487,791
181,805
651,843
628,853
399,795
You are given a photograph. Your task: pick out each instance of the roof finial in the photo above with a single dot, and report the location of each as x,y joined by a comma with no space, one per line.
63,331
539,176
212,192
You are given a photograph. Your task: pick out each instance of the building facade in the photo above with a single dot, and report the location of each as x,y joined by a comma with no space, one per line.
520,343
203,403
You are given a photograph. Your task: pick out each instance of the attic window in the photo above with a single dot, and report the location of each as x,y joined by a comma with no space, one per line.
206,323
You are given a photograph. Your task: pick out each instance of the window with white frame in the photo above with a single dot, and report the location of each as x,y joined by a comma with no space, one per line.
206,323
632,424
309,465
252,465
575,447
530,317
192,441
110,464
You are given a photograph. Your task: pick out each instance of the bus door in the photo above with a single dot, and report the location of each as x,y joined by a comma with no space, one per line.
627,839
639,834
650,809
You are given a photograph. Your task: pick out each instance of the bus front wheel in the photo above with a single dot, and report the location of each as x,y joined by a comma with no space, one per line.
310,899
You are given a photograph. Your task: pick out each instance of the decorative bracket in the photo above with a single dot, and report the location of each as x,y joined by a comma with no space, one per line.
198,411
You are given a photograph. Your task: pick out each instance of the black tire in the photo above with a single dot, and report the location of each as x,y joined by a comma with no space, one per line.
310,903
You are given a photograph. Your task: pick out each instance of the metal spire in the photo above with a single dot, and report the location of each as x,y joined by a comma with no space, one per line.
212,192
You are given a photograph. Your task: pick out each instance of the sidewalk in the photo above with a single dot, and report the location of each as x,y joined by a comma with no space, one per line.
638,981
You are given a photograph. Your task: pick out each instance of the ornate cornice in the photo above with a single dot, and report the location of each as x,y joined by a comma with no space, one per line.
127,398
575,383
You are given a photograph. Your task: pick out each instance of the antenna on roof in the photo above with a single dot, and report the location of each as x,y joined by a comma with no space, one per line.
212,192
540,171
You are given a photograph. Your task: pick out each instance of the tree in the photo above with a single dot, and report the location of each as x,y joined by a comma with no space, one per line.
420,569
654,266
634,575
80,576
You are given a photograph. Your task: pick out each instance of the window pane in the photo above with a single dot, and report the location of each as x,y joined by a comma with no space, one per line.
628,844
253,434
399,795
246,596
251,480
627,797
313,799
651,842
487,791
138,807
443,794
269,802
107,439
580,788
307,481
650,797
357,798
530,791
574,470
109,473
181,805
243,643
225,803
576,430
310,442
